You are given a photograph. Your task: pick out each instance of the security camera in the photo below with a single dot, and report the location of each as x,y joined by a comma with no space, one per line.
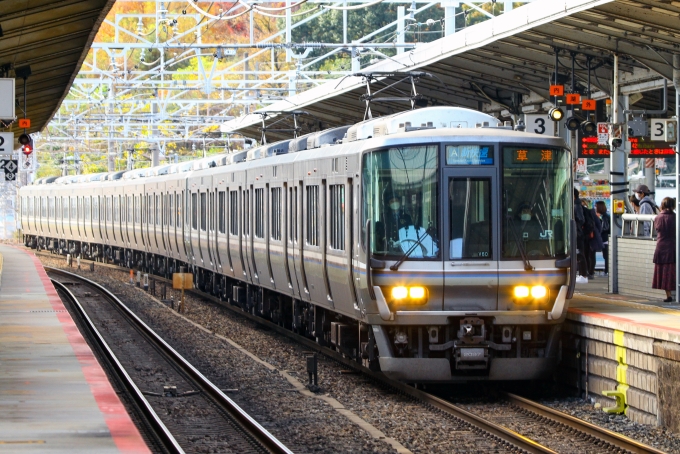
615,142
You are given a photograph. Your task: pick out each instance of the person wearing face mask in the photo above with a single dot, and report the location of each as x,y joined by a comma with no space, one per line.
396,219
647,206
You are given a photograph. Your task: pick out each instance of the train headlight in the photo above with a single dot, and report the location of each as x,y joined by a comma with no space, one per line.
399,293
538,291
521,291
416,293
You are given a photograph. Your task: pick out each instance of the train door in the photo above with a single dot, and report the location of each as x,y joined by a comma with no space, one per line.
235,224
188,210
290,243
470,230
297,216
248,246
221,246
177,215
214,213
204,233
167,222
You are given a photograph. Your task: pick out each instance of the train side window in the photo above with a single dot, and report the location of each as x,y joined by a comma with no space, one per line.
233,212
171,209
74,209
337,217
221,212
204,211
211,212
194,211
87,208
43,207
259,213
312,226
246,213
64,207
149,209
293,218
178,198
276,214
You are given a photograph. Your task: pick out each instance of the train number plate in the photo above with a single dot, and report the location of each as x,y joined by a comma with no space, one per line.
472,353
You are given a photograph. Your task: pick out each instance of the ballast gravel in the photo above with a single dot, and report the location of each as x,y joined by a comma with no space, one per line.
307,424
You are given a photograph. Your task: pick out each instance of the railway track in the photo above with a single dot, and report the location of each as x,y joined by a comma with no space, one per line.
582,432
582,436
227,427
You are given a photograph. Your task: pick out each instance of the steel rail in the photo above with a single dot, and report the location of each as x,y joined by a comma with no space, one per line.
497,430
613,438
252,427
160,430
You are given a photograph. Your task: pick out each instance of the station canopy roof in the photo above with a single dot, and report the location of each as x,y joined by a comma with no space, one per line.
505,64
52,37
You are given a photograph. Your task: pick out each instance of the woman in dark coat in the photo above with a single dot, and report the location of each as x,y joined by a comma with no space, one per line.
664,254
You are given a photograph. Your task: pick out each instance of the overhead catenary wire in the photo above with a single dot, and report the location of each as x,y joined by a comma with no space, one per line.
352,8
220,17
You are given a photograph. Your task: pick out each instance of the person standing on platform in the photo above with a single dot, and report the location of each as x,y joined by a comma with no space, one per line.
605,220
593,243
647,206
664,254
582,277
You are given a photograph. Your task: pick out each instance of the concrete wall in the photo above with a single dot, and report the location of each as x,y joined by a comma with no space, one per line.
646,368
636,269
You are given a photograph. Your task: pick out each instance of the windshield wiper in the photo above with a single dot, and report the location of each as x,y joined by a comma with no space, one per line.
520,245
418,242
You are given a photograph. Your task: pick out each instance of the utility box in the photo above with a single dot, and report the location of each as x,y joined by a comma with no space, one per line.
182,281
638,127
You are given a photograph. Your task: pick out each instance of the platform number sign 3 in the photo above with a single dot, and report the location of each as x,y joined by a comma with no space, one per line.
539,124
663,130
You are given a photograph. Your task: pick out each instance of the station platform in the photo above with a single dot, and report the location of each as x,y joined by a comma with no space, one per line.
54,396
627,344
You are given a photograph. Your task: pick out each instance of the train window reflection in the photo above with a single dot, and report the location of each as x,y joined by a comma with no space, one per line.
400,199
470,218
536,202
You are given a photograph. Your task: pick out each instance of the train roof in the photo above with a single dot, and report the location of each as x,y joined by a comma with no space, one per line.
439,124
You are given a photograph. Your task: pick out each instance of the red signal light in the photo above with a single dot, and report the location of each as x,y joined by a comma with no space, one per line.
27,149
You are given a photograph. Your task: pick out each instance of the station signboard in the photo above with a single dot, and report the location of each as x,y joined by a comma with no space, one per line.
591,148
641,146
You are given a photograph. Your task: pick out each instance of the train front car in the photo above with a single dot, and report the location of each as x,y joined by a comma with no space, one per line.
467,234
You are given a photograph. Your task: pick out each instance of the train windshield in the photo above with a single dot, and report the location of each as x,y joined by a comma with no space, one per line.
400,200
536,202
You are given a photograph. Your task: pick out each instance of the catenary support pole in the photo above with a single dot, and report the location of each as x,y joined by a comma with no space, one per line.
617,162
676,84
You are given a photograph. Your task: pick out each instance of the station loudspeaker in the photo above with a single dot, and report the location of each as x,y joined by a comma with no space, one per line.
573,123
588,128
556,114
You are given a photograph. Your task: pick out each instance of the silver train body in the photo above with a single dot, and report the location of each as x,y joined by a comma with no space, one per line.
428,244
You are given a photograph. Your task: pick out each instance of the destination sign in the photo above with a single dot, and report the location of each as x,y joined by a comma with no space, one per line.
469,155
532,155
591,149
639,146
